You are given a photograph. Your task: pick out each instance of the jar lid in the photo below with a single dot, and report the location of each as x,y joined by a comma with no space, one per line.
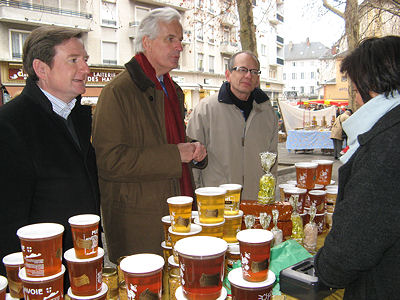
210,191
40,231
70,256
13,259
171,261
142,263
201,246
254,236
194,229
235,277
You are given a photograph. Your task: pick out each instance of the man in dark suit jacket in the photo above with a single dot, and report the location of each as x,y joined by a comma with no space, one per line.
48,169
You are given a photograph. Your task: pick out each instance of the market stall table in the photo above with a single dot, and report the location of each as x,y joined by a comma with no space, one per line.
301,140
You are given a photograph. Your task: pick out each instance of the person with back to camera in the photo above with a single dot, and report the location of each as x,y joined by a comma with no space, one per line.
337,133
361,252
143,153
48,169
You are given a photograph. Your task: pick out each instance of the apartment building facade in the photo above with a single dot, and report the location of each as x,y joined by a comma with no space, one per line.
211,37
302,71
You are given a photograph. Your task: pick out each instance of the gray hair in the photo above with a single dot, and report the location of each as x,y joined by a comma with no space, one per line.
231,61
150,24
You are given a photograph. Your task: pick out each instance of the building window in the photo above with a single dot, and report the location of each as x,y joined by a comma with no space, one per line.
272,73
108,14
294,64
302,90
294,76
284,76
140,13
312,75
210,5
71,5
311,90
200,62
109,53
263,50
17,41
199,31
211,38
302,75
198,4
225,64
226,37
211,63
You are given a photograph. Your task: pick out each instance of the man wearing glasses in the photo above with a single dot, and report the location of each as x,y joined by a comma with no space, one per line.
235,125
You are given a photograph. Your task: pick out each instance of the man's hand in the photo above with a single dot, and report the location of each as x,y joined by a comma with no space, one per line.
200,152
186,151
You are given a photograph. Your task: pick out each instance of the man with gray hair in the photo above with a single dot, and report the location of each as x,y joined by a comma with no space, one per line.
235,125
143,153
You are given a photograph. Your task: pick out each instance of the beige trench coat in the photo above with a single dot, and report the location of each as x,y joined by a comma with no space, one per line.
336,131
233,145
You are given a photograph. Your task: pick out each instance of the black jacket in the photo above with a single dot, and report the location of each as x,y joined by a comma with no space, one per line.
362,251
44,175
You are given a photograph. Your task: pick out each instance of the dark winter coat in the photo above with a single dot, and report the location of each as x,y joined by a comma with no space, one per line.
44,175
361,253
138,169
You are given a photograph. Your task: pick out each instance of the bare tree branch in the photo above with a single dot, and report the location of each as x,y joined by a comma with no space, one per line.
332,9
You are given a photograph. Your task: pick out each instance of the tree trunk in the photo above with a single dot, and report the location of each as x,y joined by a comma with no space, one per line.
352,28
247,27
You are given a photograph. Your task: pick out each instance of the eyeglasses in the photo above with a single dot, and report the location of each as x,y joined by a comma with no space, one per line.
244,70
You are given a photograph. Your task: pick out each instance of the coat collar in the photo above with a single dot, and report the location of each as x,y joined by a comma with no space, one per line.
34,93
389,120
139,77
224,97
79,114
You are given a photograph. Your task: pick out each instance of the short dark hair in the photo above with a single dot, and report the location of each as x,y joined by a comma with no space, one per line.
231,61
374,66
40,44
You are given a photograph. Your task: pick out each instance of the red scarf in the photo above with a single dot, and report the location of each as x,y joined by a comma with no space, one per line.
173,117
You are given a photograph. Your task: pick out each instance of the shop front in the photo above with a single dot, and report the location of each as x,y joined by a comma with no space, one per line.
13,77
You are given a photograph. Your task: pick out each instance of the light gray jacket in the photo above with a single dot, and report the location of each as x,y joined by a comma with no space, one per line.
233,144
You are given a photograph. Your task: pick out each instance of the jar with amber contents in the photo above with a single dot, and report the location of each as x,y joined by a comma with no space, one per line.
174,279
110,278
120,274
123,294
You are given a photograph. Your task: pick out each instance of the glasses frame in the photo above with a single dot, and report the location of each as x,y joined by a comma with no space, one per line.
245,70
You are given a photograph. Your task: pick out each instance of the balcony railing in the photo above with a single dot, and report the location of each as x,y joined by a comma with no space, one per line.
43,8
